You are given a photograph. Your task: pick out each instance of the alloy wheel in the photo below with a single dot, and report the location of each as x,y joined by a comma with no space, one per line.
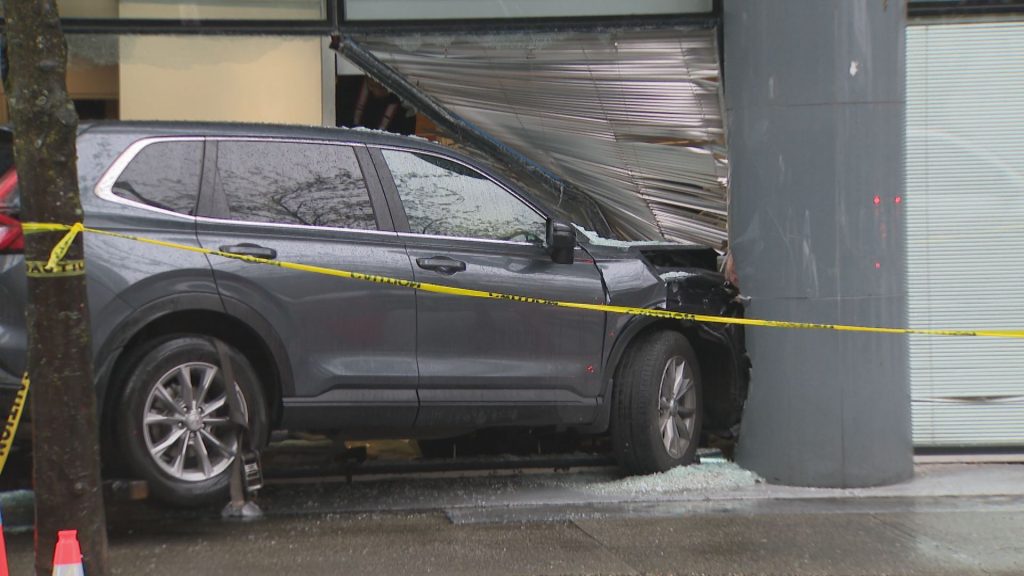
186,423
677,406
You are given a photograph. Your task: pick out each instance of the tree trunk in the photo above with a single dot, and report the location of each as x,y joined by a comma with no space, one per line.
65,436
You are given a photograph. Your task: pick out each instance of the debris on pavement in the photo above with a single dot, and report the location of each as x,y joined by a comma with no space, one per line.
698,477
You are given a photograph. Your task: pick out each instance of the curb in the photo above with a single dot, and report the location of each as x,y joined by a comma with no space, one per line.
19,511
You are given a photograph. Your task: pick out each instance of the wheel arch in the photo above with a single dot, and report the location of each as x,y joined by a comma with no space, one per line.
720,360
238,325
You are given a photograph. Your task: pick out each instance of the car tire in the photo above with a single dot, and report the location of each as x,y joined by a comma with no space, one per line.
656,417
179,438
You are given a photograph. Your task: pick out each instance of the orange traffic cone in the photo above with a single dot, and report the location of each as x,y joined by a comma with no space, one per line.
67,558
3,550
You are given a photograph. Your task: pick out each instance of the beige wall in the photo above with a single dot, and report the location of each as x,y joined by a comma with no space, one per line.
253,79
87,8
222,9
194,9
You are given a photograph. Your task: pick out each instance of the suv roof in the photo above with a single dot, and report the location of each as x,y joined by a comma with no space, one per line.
569,204
362,135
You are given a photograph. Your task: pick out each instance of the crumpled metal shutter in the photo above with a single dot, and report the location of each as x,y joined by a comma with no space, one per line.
633,117
965,240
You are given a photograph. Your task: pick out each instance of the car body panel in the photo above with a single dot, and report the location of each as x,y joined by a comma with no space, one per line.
496,362
344,337
674,277
351,343
367,357
13,337
125,275
493,361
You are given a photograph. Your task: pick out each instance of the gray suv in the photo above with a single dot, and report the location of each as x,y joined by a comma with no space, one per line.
315,352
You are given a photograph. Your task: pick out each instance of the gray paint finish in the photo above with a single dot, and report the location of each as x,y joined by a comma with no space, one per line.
815,101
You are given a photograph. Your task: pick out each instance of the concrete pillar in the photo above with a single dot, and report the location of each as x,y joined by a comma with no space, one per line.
815,102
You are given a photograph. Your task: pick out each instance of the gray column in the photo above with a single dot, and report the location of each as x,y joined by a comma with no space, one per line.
815,101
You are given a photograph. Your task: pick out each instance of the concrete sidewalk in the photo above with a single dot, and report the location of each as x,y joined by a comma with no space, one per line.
951,519
462,496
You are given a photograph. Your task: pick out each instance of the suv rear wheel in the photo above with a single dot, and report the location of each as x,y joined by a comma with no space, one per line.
174,425
657,399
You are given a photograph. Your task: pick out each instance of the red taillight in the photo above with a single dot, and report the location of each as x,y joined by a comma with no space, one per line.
8,191
11,238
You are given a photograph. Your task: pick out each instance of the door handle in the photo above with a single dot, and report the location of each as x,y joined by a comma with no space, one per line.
247,249
442,264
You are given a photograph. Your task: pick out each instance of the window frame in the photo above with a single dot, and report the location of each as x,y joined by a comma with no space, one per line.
398,207
104,188
209,211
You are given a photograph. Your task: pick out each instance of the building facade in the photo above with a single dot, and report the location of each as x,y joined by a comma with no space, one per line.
270,61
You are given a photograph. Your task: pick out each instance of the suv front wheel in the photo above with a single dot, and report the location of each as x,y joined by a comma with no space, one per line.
174,421
657,399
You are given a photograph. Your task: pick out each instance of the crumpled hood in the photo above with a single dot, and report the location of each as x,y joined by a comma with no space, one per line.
663,256
659,274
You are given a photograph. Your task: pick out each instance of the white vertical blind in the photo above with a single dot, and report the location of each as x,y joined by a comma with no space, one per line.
965,237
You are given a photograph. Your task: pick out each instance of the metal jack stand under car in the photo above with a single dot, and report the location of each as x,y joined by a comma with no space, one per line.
246,476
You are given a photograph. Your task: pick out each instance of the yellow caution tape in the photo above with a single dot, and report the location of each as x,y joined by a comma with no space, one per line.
13,419
61,249
451,290
61,269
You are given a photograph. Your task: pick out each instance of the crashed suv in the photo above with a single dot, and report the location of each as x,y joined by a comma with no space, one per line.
362,359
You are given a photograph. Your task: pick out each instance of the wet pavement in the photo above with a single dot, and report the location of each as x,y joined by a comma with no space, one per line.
710,519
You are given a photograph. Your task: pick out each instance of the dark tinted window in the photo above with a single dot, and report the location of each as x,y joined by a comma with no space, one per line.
164,175
6,150
10,198
444,198
291,183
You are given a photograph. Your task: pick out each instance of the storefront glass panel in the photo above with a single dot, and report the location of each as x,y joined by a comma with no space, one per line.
356,10
300,10
276,79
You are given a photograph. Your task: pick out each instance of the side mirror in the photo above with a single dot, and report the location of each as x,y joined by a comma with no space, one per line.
560,241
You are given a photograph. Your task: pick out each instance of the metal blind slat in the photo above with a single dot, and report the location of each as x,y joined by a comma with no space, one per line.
965,229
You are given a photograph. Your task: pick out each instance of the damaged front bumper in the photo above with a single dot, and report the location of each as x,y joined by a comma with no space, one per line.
720,347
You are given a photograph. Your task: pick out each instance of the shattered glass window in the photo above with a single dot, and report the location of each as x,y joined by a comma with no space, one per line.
291,183
444,198
631,118
164,175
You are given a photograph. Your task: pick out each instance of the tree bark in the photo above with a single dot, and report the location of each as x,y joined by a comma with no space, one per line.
66,473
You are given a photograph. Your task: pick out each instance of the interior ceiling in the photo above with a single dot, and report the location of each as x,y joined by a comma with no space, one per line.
633,117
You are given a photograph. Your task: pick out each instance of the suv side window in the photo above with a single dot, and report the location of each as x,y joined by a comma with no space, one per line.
444,198
164,175
294,183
